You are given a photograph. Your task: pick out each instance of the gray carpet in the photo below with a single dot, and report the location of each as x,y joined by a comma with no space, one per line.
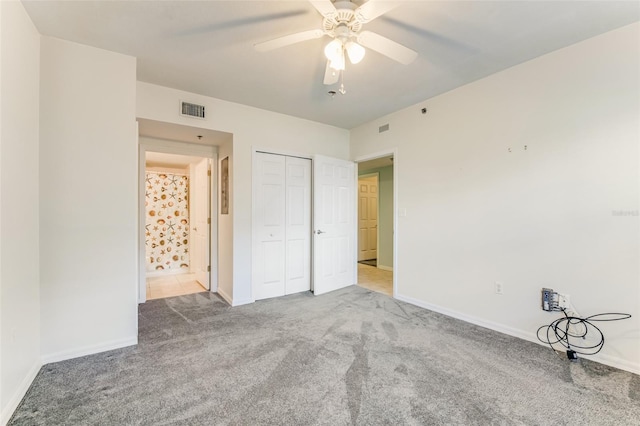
347,357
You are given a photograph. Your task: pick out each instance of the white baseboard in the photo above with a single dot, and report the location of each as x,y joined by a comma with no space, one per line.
242,302
225,296
385,268
15,399
89,350
521,334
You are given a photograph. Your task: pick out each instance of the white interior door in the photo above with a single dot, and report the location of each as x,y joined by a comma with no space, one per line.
368,218
268,271
334,222
298,225
200,203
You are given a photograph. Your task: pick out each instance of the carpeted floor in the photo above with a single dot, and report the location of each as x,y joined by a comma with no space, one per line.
348,357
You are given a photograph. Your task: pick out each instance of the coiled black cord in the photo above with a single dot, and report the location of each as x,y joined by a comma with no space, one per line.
570,332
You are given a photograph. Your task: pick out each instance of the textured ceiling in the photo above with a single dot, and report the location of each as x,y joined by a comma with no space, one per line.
206,47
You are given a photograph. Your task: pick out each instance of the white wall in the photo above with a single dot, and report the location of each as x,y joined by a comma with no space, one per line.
477,213
19,274
88,200
251,127
225,228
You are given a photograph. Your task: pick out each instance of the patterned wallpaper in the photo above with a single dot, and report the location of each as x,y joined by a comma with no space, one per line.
167,224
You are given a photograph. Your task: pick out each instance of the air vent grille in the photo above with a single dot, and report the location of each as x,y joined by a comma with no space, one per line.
191,110
383,128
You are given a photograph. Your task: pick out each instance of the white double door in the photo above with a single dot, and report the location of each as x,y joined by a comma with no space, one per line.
282,225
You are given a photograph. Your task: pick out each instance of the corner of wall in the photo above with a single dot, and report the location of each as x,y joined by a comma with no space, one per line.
21,391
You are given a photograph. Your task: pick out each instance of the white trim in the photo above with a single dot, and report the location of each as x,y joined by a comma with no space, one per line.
89,350
521,334
285,152
385,268
16,398
225,296
242,302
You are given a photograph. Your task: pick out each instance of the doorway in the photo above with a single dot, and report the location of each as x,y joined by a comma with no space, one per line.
376,223
177,200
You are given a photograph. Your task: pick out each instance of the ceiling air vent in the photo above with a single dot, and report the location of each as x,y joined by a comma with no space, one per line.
383,128
191,110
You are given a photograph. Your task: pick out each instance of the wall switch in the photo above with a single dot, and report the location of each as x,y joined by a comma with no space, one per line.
564,301
402,212
498,287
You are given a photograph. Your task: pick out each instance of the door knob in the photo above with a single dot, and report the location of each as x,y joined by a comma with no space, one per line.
319,232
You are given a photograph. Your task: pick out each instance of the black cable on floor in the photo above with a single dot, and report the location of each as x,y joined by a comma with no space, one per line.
570,332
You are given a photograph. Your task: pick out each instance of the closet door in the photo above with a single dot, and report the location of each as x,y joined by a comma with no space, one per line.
281,225
268,272
298,225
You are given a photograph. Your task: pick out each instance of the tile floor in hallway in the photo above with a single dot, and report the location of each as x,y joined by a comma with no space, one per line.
375,279
172,285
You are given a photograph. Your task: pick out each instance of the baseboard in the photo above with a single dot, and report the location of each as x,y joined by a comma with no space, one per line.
242,302
525,335
225,296
385,268
16,398
89,350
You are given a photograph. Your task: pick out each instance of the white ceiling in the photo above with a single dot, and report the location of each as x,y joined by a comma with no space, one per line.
177,132
375,163
173,161
206,47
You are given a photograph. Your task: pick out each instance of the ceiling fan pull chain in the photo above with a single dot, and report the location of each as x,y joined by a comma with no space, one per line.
341,90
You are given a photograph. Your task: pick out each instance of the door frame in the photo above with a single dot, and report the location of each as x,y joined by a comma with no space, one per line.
393,152
377,176
180,148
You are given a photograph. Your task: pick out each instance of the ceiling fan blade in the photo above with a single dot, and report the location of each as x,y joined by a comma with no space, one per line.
325,7
287,40
331,76
387,47
372,9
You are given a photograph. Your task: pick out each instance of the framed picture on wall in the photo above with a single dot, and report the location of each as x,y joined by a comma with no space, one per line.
224,186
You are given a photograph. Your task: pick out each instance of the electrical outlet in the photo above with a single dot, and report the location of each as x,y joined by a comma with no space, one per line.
564,301
498,287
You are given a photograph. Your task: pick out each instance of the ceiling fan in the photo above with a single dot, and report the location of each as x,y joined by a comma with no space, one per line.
343,22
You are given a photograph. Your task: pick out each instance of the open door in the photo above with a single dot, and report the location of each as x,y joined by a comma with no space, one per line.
334,224
200,249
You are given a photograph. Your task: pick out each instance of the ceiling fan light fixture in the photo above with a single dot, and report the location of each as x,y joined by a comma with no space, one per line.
338,63
355,52
334,50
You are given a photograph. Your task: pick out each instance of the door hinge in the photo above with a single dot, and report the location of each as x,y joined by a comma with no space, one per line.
209,268
208,172
209,221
